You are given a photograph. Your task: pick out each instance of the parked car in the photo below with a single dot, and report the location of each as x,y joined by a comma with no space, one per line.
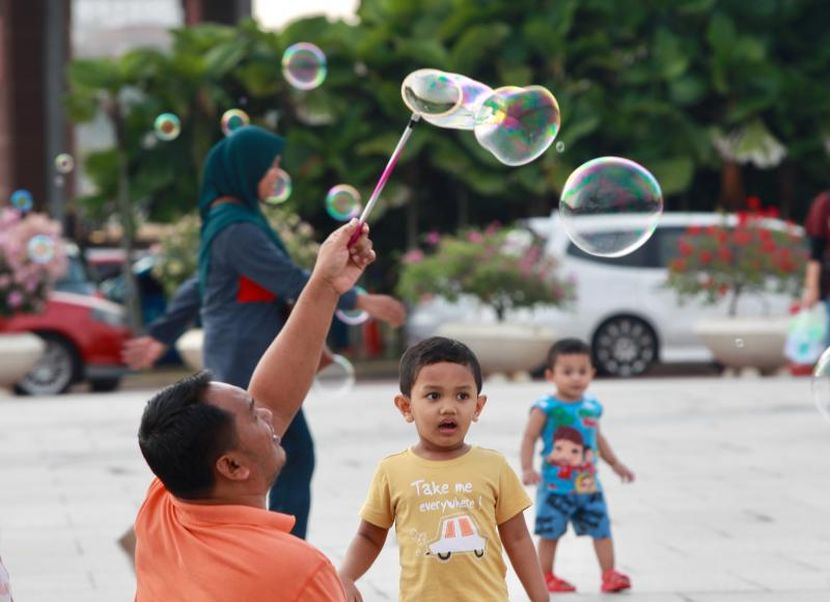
83,333
622,306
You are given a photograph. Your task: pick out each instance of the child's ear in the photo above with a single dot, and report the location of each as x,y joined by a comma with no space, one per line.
549,375
404,406
482,399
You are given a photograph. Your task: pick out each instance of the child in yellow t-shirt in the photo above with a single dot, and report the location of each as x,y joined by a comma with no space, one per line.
453,505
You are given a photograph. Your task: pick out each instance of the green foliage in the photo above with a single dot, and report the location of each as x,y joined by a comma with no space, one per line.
503,268
646,80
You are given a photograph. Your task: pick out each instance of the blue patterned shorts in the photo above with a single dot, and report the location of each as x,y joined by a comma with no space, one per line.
587,513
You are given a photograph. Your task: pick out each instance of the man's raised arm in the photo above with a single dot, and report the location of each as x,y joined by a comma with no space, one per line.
284,373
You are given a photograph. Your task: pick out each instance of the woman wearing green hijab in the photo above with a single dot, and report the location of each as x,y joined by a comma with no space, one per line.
245,281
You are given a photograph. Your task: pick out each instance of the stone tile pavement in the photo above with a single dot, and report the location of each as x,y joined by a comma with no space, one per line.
732,501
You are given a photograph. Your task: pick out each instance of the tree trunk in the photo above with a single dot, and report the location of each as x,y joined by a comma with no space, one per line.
731,186
125,212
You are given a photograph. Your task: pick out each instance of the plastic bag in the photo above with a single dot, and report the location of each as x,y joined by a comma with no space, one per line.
807,336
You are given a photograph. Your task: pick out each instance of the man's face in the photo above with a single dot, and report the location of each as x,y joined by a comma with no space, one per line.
257,446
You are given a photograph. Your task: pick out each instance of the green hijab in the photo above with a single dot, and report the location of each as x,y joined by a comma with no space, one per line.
234,168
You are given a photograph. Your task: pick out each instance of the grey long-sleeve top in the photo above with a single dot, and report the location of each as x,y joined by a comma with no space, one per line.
237,332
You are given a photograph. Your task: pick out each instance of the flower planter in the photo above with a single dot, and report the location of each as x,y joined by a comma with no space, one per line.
19,352
501,347
746,342
189,347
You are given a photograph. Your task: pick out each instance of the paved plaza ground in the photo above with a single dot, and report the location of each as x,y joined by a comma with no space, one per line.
731,504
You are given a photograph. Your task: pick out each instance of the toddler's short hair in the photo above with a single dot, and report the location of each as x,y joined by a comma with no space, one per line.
433,351
567,347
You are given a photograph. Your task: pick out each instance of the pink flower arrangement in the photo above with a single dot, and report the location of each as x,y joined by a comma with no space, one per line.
26,277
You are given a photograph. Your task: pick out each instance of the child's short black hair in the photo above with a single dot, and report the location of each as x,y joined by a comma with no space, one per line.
567,347
433,351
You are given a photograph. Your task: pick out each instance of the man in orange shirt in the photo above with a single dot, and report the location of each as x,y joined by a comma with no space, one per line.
204,533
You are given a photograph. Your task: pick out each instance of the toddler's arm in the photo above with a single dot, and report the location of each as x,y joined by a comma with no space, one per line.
362,552
607,454
520,550
535,424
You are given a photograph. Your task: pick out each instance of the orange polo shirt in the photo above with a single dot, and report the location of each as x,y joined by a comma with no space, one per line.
202,553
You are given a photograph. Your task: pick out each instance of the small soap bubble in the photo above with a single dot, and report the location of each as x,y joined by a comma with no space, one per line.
337,379
739,343
343,202
353,317
22,200
517,124
560,147
64,163
41,248
820,385
304,66
281,190
610,186
431,92
167,127
233,119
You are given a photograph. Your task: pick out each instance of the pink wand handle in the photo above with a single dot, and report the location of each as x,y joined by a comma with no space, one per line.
390,166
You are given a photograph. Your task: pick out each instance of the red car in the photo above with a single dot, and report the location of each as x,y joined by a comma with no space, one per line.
83,334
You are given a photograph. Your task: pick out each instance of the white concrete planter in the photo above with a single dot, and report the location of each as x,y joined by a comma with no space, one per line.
502,347
744,342
189,347
19,352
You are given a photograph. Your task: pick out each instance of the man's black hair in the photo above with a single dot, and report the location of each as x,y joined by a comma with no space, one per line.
567,347
433,351
181,436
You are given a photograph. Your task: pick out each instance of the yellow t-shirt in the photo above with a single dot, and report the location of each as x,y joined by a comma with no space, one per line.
446,516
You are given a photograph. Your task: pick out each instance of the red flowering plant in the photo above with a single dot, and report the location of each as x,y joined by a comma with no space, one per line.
32,258
751,252
505,268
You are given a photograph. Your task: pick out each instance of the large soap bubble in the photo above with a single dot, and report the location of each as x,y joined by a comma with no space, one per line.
518,124
304,66
610,186
463,117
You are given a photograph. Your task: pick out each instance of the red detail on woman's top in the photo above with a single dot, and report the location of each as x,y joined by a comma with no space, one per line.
251,292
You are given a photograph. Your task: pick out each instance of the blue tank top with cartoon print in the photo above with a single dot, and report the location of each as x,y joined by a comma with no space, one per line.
569,444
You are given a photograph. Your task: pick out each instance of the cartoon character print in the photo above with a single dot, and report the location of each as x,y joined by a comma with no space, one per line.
457,534
574,459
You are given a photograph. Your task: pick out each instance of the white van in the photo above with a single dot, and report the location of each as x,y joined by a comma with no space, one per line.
622,307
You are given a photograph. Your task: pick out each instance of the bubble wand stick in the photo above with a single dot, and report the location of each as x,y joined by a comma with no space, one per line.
390,166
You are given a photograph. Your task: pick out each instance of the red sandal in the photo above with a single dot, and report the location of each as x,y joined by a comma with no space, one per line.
555,584
614,581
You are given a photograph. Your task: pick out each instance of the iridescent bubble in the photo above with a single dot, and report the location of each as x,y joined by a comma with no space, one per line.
431,92
463,117
337,379
167,126
518,124
233,119
610,186
281,190
560,147
353,317
41,248
343,202
64,163
22,200
820,385
304,66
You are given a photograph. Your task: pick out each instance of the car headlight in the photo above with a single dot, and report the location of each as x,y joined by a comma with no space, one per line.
108,316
